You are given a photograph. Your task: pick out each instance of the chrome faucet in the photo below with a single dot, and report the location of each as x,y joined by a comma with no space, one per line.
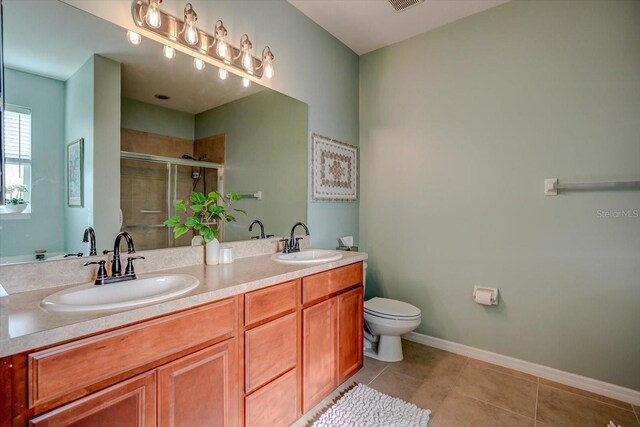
293,245
90,235
257,221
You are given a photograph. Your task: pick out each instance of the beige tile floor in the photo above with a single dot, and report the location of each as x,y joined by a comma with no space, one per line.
461,391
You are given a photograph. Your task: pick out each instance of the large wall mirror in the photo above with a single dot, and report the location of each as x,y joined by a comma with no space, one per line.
102,133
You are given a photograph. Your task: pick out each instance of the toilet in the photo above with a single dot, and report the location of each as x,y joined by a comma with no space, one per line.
385,320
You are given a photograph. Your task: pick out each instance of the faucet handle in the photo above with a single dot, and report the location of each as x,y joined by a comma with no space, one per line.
269,236
285,247
102,270
106,252
297,246
255,237
129,269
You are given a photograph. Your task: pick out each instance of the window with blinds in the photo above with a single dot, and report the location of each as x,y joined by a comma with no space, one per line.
17,148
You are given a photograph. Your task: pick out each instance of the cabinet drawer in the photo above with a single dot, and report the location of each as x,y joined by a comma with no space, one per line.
270,350
67,369
325,283
275,404
265,303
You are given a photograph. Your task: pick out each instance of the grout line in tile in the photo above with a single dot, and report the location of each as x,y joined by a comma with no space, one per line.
379,373
635,411
505,373
499,407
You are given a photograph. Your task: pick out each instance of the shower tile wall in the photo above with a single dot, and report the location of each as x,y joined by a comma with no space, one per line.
144,184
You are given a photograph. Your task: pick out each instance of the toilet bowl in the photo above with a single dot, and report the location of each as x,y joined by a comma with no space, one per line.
385,321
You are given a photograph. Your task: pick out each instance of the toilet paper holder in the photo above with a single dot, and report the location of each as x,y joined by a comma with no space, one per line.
494,294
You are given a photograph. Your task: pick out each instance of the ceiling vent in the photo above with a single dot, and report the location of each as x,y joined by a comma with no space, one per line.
400,5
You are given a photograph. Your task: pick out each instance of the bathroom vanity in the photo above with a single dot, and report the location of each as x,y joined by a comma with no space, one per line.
256,346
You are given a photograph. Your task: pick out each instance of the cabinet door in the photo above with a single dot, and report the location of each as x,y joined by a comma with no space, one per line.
130,403
274,405
350,327
200,389
319,345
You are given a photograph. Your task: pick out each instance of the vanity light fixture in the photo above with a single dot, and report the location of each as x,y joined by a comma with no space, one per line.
189,29
221,46
245,48
169,52
153,18
246,82
133,37
214,48
198,64
267,62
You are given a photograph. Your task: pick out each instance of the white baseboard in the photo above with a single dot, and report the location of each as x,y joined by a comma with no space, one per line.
578,381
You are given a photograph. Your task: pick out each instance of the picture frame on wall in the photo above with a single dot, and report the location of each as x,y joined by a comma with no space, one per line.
335,170
75,173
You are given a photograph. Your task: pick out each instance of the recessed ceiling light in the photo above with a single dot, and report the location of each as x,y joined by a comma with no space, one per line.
162,97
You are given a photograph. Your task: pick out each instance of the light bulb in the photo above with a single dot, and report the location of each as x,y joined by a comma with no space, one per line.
246,82
247,62
198,64
133,37
223,74
169,52
190,30
268,70
153,17
221,49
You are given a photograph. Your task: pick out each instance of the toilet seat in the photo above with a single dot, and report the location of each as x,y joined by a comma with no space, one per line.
391,309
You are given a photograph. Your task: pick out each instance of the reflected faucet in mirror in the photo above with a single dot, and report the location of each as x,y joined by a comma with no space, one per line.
257,221
90,236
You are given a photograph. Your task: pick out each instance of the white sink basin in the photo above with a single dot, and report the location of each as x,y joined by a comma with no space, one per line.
307,256
134,293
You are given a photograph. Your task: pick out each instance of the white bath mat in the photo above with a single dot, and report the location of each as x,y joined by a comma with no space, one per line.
363,406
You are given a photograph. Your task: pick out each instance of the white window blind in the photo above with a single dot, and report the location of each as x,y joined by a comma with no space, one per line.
17,134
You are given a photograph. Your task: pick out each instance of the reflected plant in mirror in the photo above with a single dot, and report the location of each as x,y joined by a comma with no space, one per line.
207,212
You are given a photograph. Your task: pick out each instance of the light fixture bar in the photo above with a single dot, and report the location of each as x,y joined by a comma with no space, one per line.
170,28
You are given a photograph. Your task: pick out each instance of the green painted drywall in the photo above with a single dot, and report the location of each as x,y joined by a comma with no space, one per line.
265,137
92,112
44,230
458,129
145,117
311,66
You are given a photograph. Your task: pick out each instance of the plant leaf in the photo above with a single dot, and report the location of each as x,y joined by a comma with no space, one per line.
192,221
208,234
215,209
213,196
180,230
196,208
240,210
181,205
173,221
234,196
229,217
198,198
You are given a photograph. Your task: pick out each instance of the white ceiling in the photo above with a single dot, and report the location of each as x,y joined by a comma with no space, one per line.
366,25
53,39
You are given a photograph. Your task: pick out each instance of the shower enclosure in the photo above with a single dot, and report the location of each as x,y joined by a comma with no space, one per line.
150,186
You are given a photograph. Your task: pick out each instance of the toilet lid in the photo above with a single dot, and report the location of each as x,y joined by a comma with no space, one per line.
390,307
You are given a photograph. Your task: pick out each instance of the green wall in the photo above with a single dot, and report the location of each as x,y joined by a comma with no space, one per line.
44,229
145,117
265,138
92,112
458,129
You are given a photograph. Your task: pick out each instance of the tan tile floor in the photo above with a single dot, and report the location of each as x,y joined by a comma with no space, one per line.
465,392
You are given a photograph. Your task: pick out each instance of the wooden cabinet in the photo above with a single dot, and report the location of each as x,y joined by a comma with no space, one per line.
257,359
332,331
131,403
320,345
200,389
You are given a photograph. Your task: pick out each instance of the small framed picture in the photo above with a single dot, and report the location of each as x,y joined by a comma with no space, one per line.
75,173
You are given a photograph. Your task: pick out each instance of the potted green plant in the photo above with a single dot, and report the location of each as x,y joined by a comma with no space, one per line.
15,202
207,212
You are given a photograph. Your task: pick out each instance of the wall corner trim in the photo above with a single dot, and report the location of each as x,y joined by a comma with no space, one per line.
578,381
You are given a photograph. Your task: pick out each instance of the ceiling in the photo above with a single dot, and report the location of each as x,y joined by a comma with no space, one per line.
367,25
53,39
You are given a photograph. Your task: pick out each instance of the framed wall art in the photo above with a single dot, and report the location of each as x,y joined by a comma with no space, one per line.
335,170
75,173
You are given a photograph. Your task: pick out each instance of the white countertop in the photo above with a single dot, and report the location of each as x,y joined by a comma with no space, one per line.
25,326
